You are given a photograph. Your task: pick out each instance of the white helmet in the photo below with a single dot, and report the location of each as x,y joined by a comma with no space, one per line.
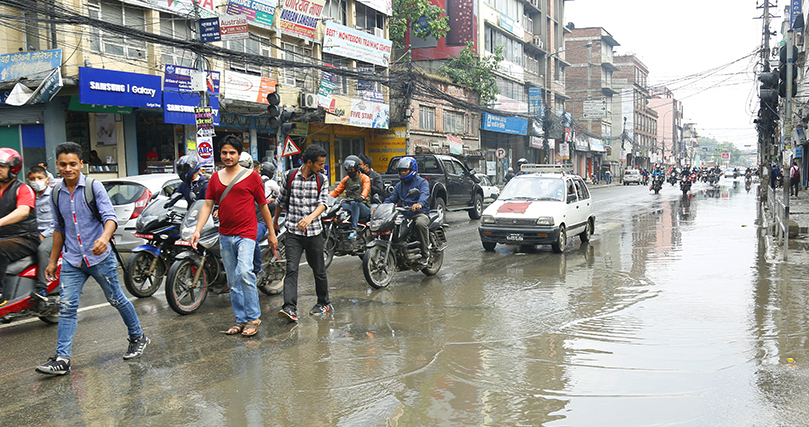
245,160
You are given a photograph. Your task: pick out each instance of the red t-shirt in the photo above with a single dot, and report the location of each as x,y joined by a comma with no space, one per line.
25,196
237,213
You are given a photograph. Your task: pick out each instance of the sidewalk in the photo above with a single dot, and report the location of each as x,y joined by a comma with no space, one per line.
798,211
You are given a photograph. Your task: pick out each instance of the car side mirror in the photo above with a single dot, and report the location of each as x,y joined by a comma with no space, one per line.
413,192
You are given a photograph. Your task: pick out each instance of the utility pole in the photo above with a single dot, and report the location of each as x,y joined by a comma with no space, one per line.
788,131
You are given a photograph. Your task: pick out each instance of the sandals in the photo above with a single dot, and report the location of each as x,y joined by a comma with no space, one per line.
236,329
251,328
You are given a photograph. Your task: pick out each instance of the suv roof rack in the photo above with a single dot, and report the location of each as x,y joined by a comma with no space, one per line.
546,168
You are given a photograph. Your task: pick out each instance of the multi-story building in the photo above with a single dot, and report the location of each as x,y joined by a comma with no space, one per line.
690,145
589,84
285,50
530,78
638,126
669,126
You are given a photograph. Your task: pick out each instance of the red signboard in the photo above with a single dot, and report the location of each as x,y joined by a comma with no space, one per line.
725,156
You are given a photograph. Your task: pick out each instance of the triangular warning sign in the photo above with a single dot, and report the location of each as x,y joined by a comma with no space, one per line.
290,148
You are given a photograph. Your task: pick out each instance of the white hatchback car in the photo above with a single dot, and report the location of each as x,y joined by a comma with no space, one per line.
544,206
129,196
490,191
632,176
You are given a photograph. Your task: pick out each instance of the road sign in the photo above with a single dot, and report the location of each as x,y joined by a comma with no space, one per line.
595,108
290,148
204,119
725,156
500,153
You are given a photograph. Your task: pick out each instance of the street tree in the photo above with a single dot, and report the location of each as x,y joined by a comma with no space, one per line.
468,69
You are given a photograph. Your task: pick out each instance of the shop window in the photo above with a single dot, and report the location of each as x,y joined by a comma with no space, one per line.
178,28
426,118
112,43
454,122
341,86
336,10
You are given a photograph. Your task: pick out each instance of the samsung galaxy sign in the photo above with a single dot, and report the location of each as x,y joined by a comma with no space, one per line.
107,87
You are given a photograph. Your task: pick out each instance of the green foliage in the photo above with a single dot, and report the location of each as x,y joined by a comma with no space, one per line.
408,12
711,151
468,69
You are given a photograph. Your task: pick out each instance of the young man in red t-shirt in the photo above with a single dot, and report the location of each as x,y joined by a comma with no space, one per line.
18,223
237,228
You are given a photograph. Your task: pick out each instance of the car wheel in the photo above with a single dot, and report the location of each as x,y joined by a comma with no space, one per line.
588,231
559,245
477,207
489,246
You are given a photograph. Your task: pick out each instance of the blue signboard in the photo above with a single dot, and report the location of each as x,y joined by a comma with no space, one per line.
107,87
178,79
178,108
535,101
209,30
26,64
504,124
795,8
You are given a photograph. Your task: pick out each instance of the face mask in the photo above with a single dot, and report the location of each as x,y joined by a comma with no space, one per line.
352,174
38,185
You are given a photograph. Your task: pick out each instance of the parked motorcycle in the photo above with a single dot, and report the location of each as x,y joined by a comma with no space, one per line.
21,280
146,267
195,272
395,248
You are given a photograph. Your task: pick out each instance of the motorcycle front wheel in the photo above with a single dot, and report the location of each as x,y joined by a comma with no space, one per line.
183,296
378,271
52,317
137,279
266,284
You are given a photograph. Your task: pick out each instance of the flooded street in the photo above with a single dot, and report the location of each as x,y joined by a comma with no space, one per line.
676,313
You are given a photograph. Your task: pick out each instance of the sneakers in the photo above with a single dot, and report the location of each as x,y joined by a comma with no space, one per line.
321,309
288,314
57,365
136,347
352,235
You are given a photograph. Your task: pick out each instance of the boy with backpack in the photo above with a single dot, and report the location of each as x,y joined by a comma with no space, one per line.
84,221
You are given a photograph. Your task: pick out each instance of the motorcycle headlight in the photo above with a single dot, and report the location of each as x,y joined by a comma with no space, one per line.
545,220
487,219
187,232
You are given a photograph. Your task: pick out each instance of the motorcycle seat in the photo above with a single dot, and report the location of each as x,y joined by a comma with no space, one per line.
18,266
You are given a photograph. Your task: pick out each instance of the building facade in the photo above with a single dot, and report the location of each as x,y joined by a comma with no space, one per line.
669,126
638,127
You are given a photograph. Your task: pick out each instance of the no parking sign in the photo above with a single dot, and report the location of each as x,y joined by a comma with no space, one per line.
500,153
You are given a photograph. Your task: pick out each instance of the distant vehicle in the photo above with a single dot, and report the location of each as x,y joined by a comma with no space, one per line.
129,196
544,206
632,176
729,173
490,191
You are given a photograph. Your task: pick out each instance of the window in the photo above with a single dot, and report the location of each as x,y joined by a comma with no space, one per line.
296,77
426,118
369,69
336,9
510,89
341,85
454,122
178,28
512,49
368,18
254,46
116,44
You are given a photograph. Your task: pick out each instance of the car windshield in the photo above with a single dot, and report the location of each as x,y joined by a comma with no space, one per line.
533,188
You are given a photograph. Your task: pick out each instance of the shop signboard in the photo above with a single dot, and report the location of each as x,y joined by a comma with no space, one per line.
564,150
324,97
504,124
204,122
244,87
108,87
385,145
367,114
536,142
209,30
455,144
205,151
178,79
234,27
355,44
535,101
26,64
259,12
299,18
47,89
205,8
75,105
178,108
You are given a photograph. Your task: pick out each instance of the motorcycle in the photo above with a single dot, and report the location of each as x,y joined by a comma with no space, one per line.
336,229
195,272
270,281
672,179
21,279
159,224
748,182
685,184
657,184
394,246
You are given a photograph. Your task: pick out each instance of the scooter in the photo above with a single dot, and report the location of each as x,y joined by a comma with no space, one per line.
21,279
159,223
395,247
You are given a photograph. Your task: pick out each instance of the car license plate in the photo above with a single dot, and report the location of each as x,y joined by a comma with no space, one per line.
514,237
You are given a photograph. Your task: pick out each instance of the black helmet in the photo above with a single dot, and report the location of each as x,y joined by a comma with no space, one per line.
268,170
352,162
186,167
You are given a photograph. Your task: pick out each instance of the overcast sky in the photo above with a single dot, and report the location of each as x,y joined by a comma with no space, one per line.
678,39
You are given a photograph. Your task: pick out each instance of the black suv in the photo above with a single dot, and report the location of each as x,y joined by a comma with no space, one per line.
453,187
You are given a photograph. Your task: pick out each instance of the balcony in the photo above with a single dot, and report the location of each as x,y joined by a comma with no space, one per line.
533,5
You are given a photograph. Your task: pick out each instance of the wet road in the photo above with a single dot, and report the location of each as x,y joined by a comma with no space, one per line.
675,314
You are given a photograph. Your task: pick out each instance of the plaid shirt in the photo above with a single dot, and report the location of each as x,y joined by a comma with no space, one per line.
301,201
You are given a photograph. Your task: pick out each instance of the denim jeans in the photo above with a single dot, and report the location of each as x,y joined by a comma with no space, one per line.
72,280
295,245
262,228
237,255
358,210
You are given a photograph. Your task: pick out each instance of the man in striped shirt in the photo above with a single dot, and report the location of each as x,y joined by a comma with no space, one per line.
303,195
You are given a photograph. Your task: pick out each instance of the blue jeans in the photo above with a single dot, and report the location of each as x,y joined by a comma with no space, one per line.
358,210
237,256
72,281
262,228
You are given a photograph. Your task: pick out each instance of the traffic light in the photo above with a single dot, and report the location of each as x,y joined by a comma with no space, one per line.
782,69
278,117
768,113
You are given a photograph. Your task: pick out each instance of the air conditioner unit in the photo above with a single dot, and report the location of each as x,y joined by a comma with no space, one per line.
379,32
538,42
308,100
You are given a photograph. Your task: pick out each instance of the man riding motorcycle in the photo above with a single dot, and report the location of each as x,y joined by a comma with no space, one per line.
18,223
192,181
357,188
420,206
657,173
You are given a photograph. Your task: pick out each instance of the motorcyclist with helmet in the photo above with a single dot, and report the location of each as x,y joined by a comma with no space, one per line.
420,207
357,188
271,188
522,161
18,223
188,167
657,172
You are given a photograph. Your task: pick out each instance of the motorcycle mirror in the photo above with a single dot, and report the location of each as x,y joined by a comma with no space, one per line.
413,192
376,198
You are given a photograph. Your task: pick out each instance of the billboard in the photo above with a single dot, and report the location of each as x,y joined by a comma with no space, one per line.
463,27
355,44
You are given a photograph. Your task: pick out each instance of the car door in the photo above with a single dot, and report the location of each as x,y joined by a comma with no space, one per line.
585,205
454,183
466,183
572,212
